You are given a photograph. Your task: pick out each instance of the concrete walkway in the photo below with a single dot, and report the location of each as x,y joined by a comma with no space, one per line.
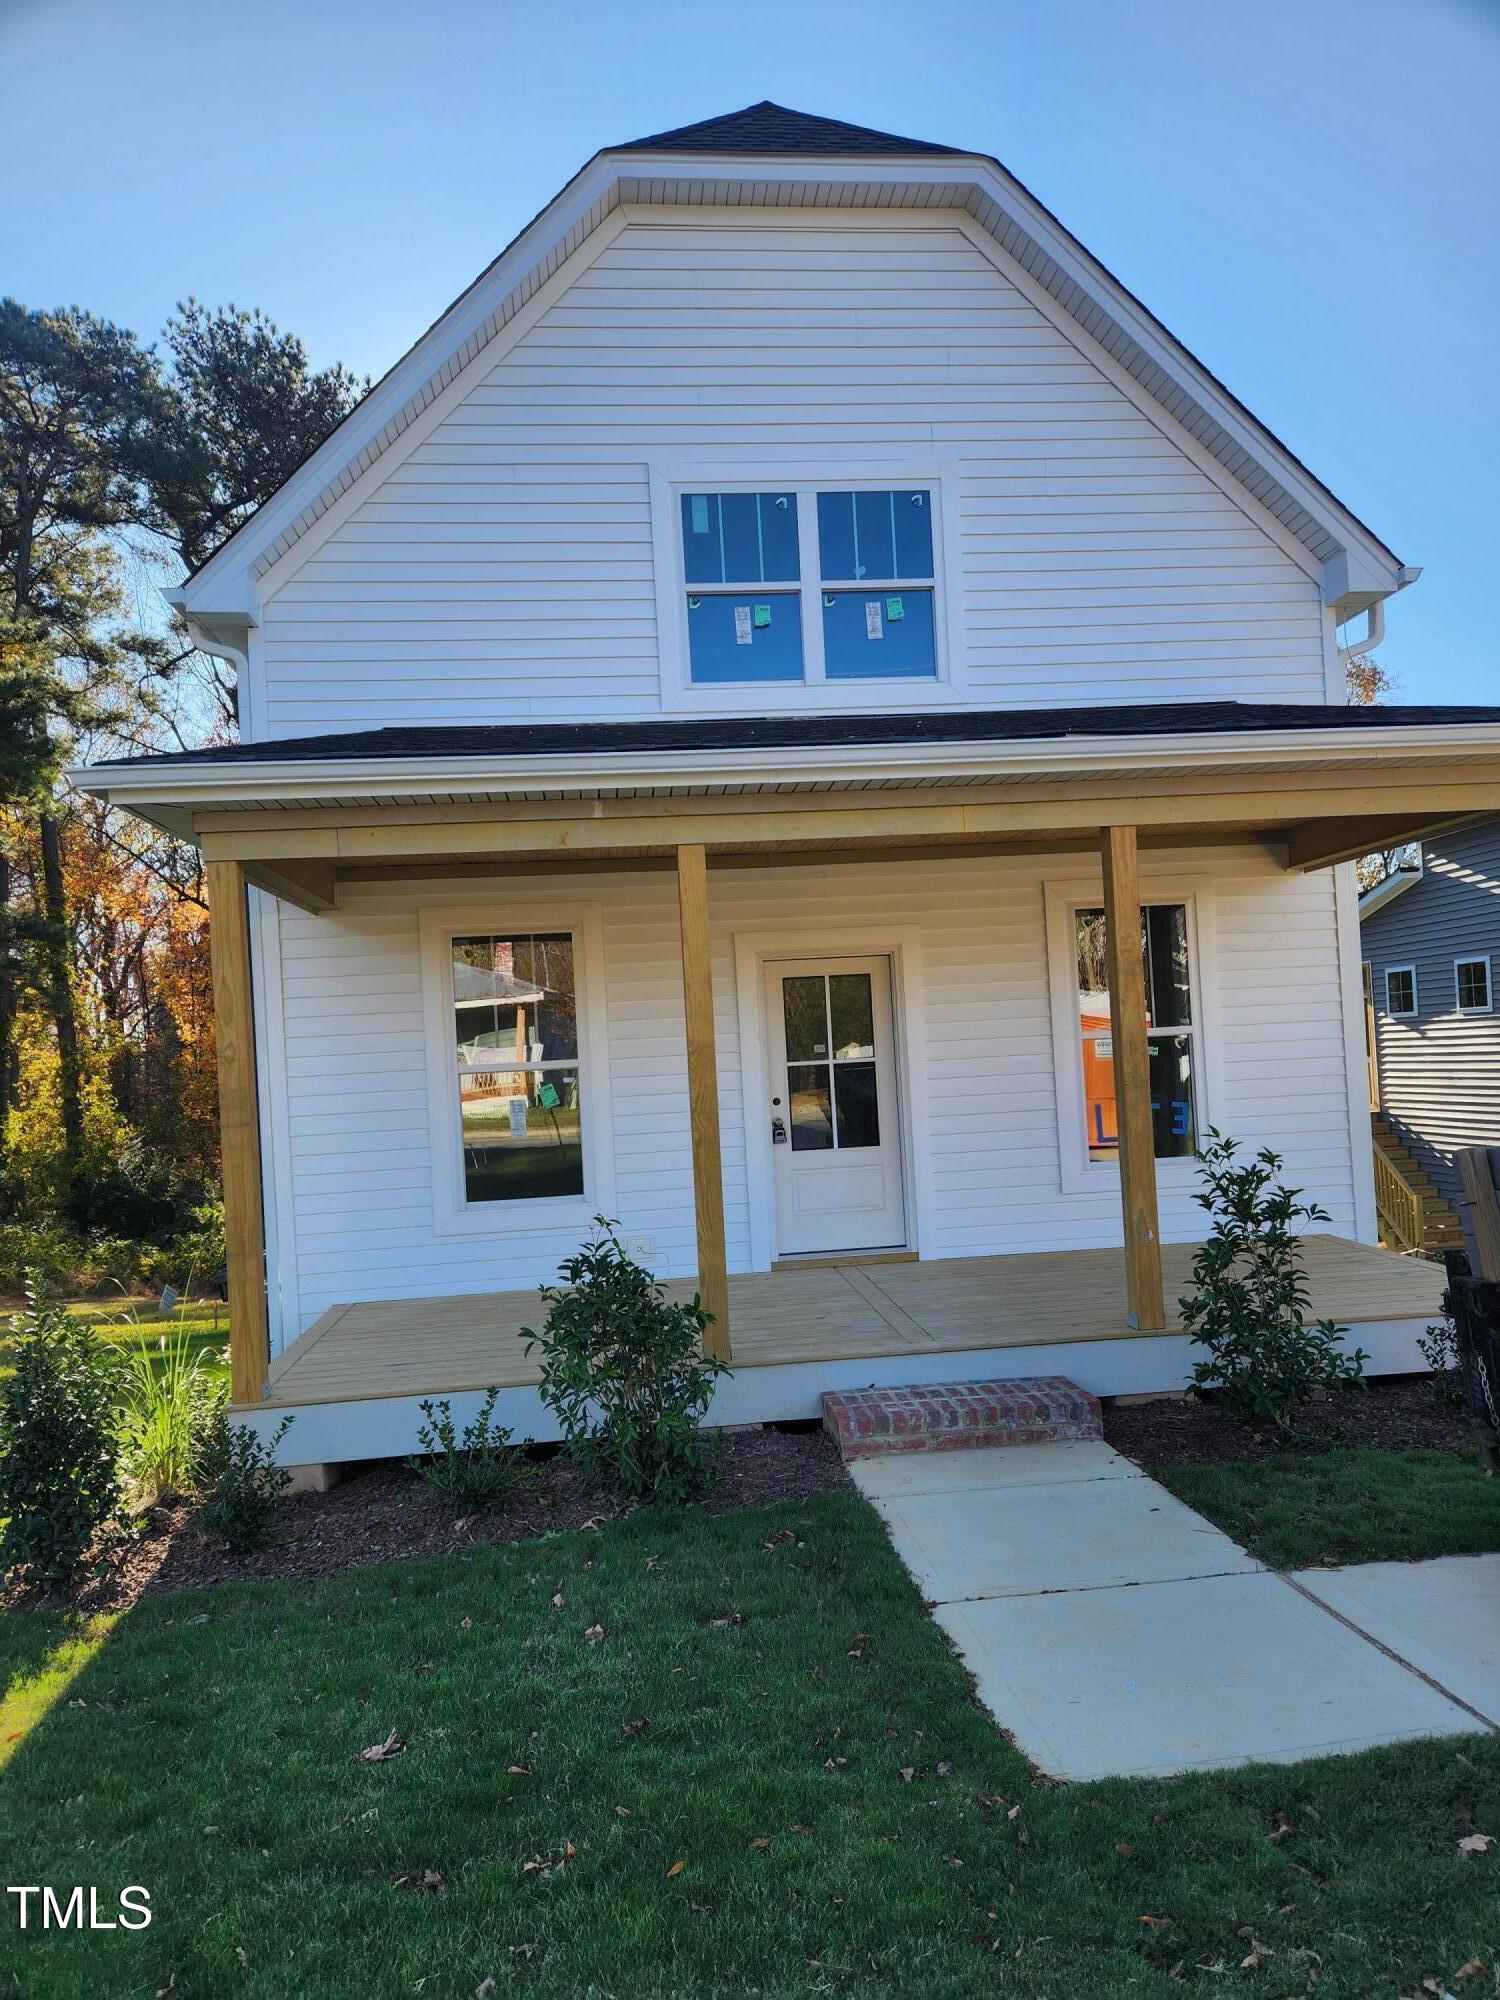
1113,1632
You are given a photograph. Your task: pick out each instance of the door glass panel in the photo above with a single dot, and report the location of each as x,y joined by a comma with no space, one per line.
811,1106
806,1018
853,1015
522,1136
858,1111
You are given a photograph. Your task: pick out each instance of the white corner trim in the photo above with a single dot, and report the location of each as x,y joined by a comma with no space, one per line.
1356,1065
522,910
278,1208
809,937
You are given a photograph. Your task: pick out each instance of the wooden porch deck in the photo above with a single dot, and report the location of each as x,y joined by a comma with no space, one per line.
852,1311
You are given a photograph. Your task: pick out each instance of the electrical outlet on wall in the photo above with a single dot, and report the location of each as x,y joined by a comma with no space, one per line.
641,1249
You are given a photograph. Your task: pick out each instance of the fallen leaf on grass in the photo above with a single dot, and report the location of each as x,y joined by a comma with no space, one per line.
1281,1830
762,1842
908,1772
1124,1849
1471,1969
429,1882
466,1624
634,1728
382,1753
1476,1843
518,1770
720,1624
594,1634
485,1988
623,1812
1158,1923
557,1601
676,1869
944,1770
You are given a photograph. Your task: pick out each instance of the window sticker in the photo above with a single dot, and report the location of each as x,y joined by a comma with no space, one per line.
699,505
895,610
742,629
762,617
547,1097
874,629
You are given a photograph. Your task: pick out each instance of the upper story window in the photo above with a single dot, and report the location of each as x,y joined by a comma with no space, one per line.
1401,989
810,584
1471,979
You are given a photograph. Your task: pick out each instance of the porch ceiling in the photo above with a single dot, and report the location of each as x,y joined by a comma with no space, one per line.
417,1347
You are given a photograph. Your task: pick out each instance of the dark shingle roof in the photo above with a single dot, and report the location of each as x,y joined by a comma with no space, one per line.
797,732
772,128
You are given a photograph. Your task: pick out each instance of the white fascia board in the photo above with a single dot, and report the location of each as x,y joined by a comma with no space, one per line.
1387,891
225,583
817,767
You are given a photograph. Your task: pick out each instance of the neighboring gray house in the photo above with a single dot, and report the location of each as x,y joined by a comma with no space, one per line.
1431,940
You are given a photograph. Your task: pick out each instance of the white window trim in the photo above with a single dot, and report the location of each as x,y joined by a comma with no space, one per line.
671,477
1063,898
1402,1013
452,1215
1475,958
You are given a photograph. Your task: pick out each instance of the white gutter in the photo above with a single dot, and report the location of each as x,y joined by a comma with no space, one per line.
815,766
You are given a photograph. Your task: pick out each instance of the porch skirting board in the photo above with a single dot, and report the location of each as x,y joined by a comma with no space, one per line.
385,1426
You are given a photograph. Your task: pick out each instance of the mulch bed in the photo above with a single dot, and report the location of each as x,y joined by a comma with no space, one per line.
383,1513
1390,1416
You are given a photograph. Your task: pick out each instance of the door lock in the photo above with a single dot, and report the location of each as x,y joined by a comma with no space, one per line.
778,1131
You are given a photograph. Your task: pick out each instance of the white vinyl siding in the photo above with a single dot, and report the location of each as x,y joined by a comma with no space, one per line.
502,569
353,1132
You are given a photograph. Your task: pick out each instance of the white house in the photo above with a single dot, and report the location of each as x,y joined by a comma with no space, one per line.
701,713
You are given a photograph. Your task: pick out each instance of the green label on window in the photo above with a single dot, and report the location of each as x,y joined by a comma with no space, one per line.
547,1097
762,616
895,610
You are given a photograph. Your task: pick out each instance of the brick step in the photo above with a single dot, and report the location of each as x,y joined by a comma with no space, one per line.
947,1416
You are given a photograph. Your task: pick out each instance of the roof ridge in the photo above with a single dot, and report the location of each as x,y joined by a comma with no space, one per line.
769,127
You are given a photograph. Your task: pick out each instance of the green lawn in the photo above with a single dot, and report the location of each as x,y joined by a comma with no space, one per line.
1348,1506
765,1777
135,1324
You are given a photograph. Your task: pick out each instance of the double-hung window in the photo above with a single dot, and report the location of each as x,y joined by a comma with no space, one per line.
1401,989
809,583
515,1041
1471,980
1171,1026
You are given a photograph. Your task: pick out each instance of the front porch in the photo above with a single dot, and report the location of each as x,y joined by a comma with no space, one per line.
798,1330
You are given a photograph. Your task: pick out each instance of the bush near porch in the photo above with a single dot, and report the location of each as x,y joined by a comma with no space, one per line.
679,1755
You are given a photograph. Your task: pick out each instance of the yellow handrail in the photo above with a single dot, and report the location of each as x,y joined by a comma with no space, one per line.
1397,1202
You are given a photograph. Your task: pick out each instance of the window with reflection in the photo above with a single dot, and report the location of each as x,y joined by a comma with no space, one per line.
515,1023
1171,1032
829,1020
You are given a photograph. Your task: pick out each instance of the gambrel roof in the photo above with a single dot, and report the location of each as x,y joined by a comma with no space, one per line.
769,156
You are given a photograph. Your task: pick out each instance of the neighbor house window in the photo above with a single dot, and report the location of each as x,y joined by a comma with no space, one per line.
515,1032
1401,989
1171,1037
1471,977
810,583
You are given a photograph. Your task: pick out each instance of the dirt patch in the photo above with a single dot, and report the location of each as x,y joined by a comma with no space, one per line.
383,1513
1391,1416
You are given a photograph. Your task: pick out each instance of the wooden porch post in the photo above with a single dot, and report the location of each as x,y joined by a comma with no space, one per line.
239,1131
1144,1302
703,1095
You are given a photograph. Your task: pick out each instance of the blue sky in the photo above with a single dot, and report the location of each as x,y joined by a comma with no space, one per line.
1306,191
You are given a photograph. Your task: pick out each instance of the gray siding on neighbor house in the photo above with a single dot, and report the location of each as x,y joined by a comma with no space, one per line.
1440,1069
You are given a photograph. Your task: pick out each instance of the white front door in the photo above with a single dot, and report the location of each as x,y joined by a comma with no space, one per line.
835,1141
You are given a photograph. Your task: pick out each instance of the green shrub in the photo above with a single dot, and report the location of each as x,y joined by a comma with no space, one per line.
243,1480
1440,1350
59,1476
167,1410
50,1252
624,1373
1249,1303
474,1470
